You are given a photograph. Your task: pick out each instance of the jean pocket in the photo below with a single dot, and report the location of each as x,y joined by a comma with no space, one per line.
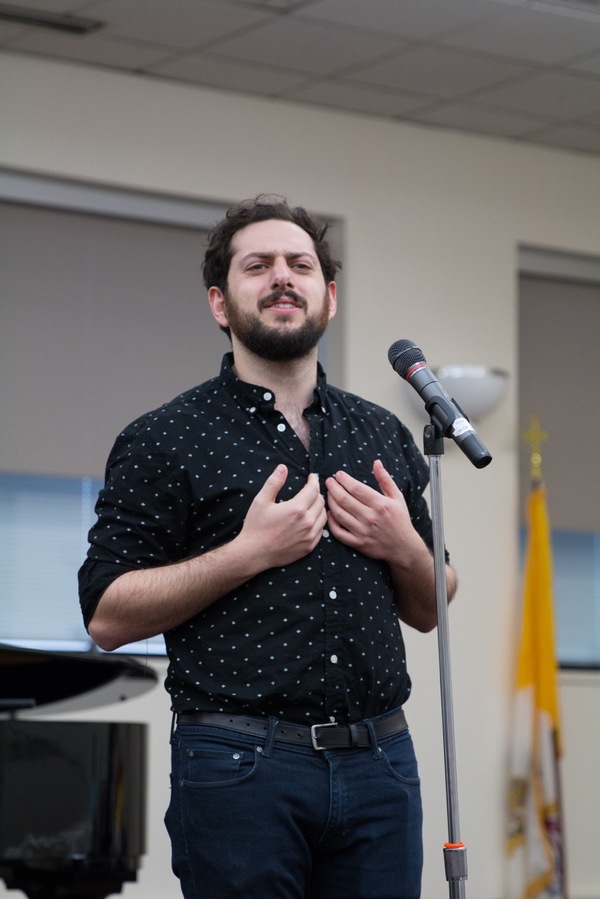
399,754
204,767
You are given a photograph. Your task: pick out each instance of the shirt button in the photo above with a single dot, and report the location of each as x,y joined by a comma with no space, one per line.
332,594
267,395
281,426
325,532
334,659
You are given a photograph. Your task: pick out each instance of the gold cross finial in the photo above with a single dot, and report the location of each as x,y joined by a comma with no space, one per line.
534,436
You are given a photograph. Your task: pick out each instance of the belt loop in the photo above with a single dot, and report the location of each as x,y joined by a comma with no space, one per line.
376,750
270,740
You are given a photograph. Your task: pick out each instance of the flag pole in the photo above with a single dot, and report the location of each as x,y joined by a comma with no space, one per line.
455,853
535,436
534,830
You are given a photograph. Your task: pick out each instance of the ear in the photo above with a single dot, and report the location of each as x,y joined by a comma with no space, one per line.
332,294
217,306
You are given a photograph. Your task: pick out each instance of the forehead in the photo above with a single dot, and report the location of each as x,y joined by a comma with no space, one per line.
273,237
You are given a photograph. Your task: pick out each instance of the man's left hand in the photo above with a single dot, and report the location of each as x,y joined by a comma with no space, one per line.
365,519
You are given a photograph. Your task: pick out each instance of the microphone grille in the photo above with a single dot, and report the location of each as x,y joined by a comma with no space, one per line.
403,354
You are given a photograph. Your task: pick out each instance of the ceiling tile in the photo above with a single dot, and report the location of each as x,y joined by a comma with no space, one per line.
215,72
554,94
90,49
405,18
592,119
523,68
542,37
438,71
357,99
306,47
11,30
589,63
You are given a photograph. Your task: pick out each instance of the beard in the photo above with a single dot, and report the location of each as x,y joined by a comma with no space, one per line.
277,343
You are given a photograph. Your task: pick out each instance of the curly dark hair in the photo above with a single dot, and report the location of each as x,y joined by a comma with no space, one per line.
262,208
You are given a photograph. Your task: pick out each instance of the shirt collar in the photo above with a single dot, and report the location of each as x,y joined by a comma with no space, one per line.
256,395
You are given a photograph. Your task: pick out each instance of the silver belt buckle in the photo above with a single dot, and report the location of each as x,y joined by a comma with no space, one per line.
313,733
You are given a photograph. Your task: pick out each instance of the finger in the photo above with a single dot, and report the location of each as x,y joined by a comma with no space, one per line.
314,482
343,509
309,492
349,494
315,499
340,532
386,482
346,480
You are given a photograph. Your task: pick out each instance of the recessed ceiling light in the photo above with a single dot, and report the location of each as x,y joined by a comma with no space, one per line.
40,18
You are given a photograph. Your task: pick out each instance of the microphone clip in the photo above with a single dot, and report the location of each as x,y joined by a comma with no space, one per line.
444,414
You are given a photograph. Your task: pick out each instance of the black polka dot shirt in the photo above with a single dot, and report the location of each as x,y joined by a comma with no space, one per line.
314,639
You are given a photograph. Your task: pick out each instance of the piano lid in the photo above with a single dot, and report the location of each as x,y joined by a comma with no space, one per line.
39,681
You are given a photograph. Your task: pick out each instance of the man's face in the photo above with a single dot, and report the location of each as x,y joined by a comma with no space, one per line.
277,303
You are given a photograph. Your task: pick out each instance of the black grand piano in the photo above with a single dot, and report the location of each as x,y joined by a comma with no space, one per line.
72,793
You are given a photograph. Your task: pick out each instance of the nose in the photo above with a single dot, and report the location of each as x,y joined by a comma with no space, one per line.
281,273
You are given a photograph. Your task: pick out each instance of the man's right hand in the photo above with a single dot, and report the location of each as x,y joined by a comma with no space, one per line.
280,533
144,602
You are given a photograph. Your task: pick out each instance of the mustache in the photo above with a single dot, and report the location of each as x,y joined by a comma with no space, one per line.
277,295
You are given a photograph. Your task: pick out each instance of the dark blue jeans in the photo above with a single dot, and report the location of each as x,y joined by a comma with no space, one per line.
281,821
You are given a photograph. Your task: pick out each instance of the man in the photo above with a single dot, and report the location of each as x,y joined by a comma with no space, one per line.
274,529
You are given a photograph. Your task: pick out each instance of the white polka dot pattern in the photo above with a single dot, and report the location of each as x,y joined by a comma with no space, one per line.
314,639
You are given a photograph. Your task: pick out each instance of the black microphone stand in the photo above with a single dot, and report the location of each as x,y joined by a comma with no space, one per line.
455,853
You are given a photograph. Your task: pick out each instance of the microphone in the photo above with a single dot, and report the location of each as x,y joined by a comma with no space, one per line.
407,359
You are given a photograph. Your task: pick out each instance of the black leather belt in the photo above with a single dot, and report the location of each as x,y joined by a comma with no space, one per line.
319,736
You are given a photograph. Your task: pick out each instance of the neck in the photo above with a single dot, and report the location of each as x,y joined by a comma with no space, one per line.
292,382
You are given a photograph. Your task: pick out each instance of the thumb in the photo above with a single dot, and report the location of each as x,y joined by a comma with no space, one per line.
273,484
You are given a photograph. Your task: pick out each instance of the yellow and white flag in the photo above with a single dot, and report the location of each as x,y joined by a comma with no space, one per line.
535,851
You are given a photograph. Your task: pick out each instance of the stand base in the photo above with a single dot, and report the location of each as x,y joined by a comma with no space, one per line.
39,884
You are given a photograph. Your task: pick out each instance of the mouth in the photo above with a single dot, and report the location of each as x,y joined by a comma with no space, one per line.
284,303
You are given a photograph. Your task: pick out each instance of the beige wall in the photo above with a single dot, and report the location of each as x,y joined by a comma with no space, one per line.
432,222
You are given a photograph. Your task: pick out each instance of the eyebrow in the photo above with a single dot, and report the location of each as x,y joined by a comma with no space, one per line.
261,254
